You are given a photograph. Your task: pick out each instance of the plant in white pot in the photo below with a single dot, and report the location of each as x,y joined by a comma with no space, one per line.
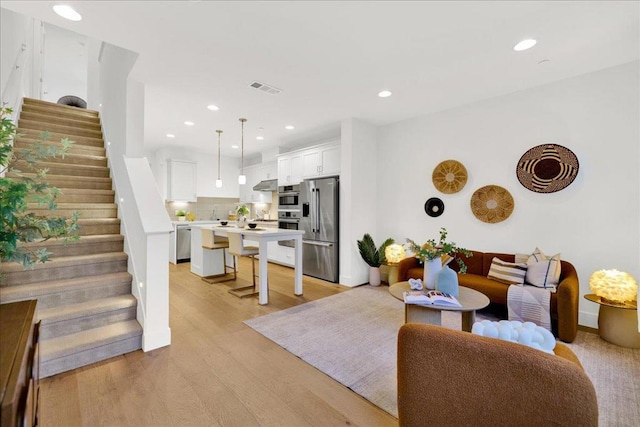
434,254
242,211
373,256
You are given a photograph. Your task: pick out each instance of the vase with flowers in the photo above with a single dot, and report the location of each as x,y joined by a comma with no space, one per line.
433,254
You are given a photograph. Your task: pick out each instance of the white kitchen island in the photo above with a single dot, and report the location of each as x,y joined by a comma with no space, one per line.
263,237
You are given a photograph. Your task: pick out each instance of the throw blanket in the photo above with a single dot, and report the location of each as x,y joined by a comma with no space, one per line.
529,304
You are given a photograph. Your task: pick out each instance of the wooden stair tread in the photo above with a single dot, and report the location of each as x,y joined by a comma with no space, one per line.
33,101
69,344
97,238
74,311
38,289
10,267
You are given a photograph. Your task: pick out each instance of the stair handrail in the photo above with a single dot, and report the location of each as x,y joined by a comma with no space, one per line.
14,88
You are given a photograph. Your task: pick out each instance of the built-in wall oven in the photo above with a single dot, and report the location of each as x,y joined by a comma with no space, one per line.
289,212
289,196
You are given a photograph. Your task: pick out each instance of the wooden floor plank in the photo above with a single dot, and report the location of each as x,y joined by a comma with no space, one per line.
216,372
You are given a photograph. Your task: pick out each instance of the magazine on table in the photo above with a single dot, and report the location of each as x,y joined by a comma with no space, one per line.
430,298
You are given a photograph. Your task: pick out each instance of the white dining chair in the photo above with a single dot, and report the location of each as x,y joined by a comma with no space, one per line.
237,248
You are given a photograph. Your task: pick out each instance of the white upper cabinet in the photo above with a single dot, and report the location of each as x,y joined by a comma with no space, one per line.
255,174
182,178
321,161
289,169
312,162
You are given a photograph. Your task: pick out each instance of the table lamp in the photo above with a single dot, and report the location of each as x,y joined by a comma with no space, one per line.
613,286
394,254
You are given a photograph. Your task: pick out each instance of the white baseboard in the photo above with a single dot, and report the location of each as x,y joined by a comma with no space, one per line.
588,319
156,339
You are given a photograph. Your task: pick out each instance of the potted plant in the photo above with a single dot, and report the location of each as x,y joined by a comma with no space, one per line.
242,212
18,189
373,256
181,215
433,254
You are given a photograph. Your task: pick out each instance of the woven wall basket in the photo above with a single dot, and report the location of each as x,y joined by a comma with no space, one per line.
449,176
547,168
492,204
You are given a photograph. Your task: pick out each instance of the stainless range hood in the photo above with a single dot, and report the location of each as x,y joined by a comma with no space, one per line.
266,185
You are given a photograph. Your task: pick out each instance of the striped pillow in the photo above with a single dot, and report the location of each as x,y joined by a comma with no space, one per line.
543,271
510,273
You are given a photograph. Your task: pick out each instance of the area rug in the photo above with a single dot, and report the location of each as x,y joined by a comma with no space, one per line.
352,337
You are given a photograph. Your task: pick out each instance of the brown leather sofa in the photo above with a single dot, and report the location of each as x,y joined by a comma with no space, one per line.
564,302
454,378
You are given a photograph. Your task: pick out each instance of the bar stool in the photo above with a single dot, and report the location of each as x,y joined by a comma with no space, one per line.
237,248
211,241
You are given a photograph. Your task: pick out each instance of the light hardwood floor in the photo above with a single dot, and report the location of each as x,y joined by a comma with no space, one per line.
216,372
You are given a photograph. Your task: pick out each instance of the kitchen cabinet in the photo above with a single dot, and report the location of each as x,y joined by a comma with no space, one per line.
312,162
289,168
182,178
321,161
255,174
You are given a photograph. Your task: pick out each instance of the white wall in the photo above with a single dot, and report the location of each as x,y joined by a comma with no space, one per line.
358,201
13,33
65,63
594,223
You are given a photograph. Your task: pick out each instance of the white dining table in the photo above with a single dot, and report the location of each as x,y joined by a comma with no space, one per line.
263,236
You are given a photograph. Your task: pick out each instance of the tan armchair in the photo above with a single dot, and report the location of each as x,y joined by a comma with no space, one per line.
454,378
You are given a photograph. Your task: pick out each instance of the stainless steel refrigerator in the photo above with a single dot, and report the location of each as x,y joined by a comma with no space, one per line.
319,202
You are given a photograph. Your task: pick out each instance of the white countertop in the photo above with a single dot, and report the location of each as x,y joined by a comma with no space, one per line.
259,231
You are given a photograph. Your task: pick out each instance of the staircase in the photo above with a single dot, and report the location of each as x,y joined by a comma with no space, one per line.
84,295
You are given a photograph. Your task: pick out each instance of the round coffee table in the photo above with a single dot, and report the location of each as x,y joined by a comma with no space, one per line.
470,299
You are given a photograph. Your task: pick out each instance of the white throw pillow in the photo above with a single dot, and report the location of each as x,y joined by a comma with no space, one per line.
510,273
543,271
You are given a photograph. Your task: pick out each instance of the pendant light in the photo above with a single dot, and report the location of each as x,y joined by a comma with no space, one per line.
219,181
242,179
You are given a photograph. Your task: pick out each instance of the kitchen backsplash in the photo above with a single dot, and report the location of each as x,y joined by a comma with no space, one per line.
205,207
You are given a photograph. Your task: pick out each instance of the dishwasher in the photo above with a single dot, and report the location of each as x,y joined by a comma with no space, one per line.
183,243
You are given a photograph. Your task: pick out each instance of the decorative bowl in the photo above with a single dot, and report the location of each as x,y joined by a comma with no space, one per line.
224,222
252,225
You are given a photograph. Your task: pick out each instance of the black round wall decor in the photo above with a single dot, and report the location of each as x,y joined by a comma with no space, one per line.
434,207
547,168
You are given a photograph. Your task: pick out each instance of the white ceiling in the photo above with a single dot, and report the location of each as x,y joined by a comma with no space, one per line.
332,58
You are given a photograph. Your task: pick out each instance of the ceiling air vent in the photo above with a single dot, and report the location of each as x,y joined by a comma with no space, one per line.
265,88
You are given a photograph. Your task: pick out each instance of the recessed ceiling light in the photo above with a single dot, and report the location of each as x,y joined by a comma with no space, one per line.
524,45
234,146
213,107
188,123
289,127
259,138
67,12
170,135
384,94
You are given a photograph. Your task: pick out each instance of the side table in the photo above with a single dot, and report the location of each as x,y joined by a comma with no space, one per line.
617,323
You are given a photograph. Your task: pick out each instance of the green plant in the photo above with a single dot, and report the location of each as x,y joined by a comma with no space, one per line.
18,224
242,210
432,250
372,256
181,213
